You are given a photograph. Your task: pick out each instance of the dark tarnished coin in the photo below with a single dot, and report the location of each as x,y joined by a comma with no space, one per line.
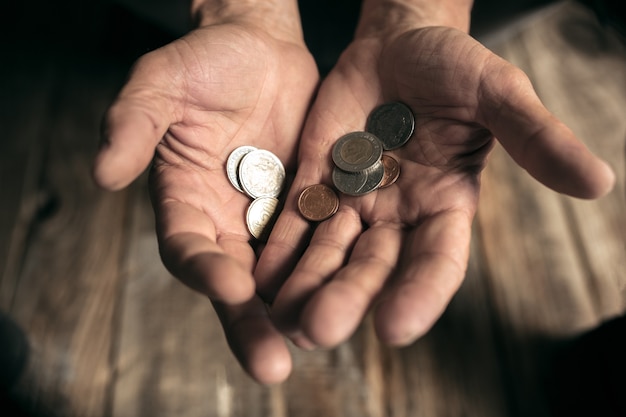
357,151
392,171
392,123
349,182
318,202
359,183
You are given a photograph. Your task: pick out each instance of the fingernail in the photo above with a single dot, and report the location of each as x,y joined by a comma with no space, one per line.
303,343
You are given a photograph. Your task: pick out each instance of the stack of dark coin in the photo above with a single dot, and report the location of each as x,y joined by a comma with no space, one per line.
360,165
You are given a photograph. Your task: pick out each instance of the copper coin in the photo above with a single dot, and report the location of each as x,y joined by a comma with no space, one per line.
392,171
318,202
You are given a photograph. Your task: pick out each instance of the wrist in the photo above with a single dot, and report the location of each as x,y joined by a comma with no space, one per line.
280,18
389,18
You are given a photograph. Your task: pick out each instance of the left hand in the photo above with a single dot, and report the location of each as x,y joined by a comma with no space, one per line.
404,249
185,108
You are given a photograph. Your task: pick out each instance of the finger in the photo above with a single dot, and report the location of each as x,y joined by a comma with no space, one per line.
327,252
431,271
290,234
287,241
336,111
335,311
131,129
539,142
221,268
258,346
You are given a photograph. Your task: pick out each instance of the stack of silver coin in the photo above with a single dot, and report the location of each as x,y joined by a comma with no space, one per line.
360,166
259,174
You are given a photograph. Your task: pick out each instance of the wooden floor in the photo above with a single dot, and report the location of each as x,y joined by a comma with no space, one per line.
110,333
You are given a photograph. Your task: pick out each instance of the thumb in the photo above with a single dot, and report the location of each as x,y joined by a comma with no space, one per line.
131,129
542,144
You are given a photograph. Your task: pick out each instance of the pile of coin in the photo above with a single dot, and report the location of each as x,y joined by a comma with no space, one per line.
360,165
259,174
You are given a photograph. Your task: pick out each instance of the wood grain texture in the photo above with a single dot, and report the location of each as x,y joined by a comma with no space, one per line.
113,334
172,358
556,263
66,291
21,158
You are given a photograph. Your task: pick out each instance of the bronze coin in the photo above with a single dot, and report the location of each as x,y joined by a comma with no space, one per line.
356,151
318,202
392,171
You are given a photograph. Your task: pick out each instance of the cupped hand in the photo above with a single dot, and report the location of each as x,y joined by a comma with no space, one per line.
185,107
403,250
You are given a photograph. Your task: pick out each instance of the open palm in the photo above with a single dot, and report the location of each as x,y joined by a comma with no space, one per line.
186,106
405,248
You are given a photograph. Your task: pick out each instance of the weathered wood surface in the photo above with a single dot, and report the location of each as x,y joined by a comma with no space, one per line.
112,334
62,288
557,265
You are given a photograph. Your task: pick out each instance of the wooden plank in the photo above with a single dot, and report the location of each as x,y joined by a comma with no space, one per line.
172,357
454,369
21,153
66,292
335,382
593,59
451,371
543,268
556,263
537,283
571,49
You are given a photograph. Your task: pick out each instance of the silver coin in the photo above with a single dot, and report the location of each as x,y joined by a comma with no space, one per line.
261,174
393,123
359,183
260,216
357,151
232,164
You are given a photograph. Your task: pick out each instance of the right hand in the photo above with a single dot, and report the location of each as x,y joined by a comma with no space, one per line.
403,251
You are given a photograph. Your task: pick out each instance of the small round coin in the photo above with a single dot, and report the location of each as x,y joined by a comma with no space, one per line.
392,171
349,182
232,164
357,151
260,216
359,183
393,123
261,174
318,202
